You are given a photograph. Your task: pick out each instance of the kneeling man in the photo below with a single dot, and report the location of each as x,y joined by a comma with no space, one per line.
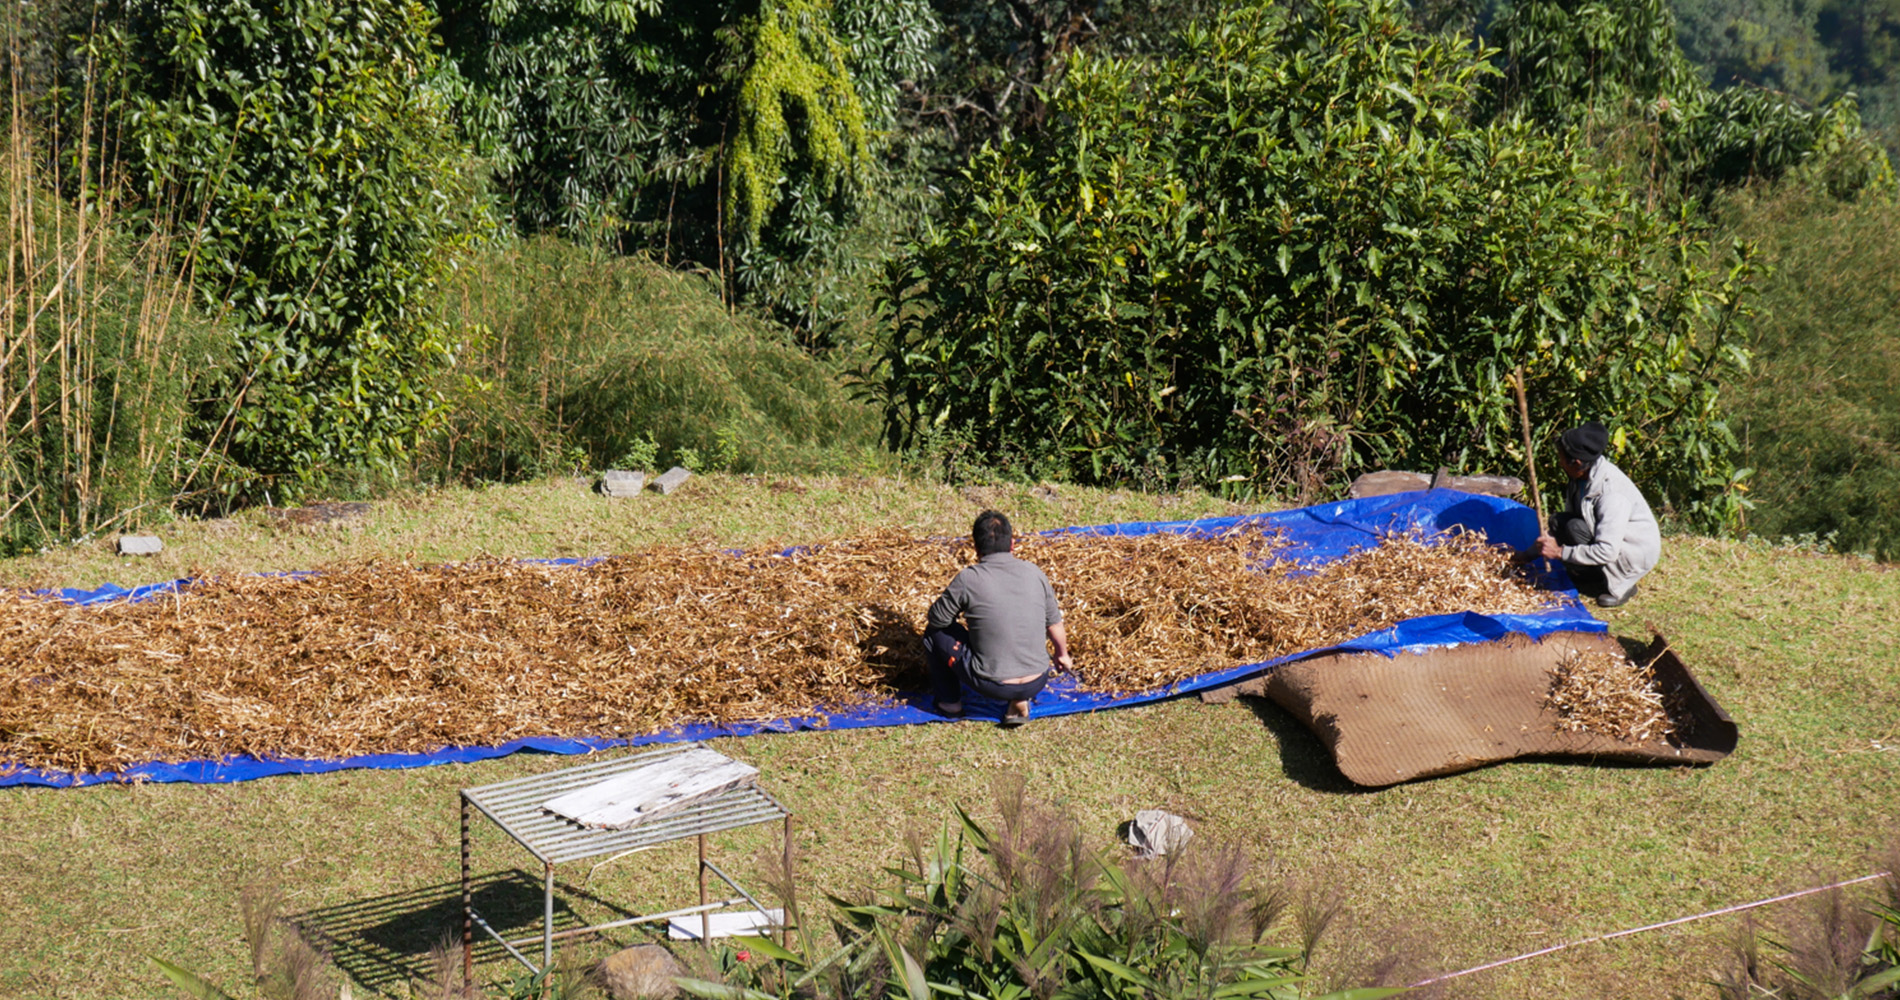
1606,535
1009,610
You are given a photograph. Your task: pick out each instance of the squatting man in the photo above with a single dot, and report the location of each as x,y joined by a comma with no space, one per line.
1606,536
1008,610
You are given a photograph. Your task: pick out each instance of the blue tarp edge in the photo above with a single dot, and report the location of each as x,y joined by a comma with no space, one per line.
1316,535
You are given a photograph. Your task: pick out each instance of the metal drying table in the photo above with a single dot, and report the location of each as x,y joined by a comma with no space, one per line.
515,807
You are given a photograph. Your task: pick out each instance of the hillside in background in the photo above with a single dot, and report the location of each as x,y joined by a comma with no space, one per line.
474,242
1819,415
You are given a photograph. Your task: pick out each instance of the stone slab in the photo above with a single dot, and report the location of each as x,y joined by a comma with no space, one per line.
140,545
622,483
670,480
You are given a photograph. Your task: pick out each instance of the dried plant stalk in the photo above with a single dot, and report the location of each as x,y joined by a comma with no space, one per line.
386,657
1609,694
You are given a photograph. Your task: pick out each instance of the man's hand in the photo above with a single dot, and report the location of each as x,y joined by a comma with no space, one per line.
1059,640
1545,547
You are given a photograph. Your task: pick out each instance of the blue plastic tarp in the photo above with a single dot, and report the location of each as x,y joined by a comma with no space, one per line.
1312,535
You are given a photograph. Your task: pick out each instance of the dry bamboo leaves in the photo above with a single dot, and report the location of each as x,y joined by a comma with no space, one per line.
1608,694
385,657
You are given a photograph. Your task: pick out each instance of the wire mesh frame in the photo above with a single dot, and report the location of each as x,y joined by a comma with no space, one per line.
515,807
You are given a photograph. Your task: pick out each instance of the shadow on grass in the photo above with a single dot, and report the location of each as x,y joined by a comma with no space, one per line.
385,941
1303,758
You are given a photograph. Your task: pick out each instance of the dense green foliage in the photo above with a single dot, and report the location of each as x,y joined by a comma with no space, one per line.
1028,911
1285,254
1821,413
1141,242
308,163
576,359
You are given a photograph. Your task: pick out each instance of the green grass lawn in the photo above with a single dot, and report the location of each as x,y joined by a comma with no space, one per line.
1448,873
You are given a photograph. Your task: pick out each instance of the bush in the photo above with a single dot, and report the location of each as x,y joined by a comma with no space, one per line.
1833,951
304,153
1820,414
1285,255
579,358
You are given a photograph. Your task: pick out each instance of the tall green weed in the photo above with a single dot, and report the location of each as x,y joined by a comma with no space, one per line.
1819,415
577,358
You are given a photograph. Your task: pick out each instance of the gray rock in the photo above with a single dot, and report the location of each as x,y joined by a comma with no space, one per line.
670,480
642,971
622,483
140,545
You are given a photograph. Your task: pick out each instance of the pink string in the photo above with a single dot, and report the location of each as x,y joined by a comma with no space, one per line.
1737,908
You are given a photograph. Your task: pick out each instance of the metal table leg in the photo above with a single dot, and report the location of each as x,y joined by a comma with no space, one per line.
547,919
468,905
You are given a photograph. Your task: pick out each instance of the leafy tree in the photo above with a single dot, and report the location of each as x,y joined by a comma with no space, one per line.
1564,58
1285,253
1863,38
303,150
551,95
812,261
997,63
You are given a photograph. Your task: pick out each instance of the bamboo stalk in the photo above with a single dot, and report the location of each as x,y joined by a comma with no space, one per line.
1530,452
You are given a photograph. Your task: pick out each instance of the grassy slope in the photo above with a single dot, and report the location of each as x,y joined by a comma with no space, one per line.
569,348
1454,871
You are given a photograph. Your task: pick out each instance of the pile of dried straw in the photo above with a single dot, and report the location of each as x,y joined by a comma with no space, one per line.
1609,694
389,657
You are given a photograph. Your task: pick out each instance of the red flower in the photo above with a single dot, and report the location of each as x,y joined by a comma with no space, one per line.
744,956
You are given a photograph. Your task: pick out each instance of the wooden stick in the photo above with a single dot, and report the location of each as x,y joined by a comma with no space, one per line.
1530,456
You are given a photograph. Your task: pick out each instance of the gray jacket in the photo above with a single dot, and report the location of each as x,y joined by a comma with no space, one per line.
1628,541
1008,606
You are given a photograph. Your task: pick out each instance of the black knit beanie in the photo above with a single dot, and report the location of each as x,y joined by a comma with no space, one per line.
1585,443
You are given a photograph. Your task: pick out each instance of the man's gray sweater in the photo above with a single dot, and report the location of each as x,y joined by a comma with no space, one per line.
1008,606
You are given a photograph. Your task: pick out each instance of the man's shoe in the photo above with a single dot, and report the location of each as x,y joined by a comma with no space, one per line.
1016,714
1613,601
949,709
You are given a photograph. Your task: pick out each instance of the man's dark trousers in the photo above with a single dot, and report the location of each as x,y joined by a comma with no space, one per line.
1569,529
948,652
